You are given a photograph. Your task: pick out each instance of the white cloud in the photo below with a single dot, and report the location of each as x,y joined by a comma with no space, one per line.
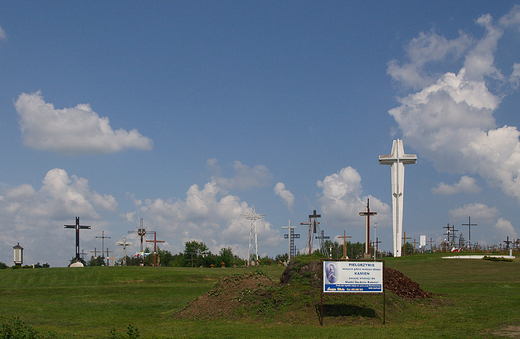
244,177
341,199
77,130
465,185
503,229
478,212
209,215
35,217
3,34
451,122
285,194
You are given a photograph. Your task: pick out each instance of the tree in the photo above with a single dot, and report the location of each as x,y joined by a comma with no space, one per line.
194,252
226,255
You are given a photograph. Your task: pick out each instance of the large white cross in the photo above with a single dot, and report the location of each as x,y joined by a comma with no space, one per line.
397,160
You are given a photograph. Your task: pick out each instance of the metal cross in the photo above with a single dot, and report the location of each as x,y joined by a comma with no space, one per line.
77,227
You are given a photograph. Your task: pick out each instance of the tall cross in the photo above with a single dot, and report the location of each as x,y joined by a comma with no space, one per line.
376,249
321,238
367,215
431,244
448,231
141,232
103,244
108,263
312,222
291,236
124,243
507,242
344,237
155,241
95,252
469,224
404,240
397,159
77,227
253,235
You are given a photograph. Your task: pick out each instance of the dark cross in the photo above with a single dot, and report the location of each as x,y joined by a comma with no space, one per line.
141,231
155,241
448,234
517,242
291,236
431,244
377,242
95,252
103,244
367,215
108,262
344,237
77,227
404,242
507,242
82,254
192,259
469,224
414,244
312,222
321,238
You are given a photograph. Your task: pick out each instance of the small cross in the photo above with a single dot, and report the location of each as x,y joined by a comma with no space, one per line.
344,237
404,241
367,215
155,241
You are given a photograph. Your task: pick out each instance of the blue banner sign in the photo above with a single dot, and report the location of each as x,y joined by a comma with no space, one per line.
352,277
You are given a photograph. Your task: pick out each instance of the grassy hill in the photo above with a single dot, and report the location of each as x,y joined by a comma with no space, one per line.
472,298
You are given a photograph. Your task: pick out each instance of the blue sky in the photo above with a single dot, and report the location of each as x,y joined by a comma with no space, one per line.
186,114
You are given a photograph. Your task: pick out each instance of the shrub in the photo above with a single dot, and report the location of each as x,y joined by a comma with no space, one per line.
15,328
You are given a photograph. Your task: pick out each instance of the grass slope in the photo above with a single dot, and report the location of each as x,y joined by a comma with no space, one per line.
473,298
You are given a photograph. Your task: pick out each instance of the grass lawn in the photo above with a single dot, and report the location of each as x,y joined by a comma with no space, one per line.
472,298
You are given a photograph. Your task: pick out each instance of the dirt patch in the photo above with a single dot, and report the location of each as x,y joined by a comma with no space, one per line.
511,331
231,293
223,299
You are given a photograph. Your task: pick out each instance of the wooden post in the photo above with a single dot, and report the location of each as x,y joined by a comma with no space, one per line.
344,237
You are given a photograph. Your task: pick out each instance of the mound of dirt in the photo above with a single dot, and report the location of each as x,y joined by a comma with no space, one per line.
228,294
225,297
393,280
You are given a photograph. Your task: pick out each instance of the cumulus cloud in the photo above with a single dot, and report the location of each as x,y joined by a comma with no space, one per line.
244,177
451,122
341,199
3,35
476,211
35,216
466,184
77,130
285,194
503,229
207,213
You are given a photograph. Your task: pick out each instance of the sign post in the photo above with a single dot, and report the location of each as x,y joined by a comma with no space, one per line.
353,276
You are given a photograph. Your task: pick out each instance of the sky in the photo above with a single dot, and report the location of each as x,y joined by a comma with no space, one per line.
189,113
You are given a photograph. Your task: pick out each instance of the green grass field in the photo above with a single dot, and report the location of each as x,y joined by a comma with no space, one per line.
473,298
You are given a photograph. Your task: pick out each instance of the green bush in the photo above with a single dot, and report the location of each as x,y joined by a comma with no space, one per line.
3,266
132,333
16,329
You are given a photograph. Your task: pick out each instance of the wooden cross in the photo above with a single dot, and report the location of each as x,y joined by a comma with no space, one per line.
414,244
344,237
95,252
82,254
77,227
155,241
507,242
404,241
431,244
111,258
108,263
469,224
312,222
376,243
102,237
448,234
367,215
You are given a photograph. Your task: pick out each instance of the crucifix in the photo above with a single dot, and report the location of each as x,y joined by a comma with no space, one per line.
291,236
448,232
397,159
103,244
124,243
376,249
367,215
141,232
77,227
312,222
404,241
469,224
344,237
155,241
507,242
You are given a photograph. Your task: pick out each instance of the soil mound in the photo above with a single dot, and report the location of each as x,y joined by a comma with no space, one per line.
250,289
225,297
393,280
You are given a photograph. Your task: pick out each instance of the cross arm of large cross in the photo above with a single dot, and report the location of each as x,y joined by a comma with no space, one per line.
397,155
